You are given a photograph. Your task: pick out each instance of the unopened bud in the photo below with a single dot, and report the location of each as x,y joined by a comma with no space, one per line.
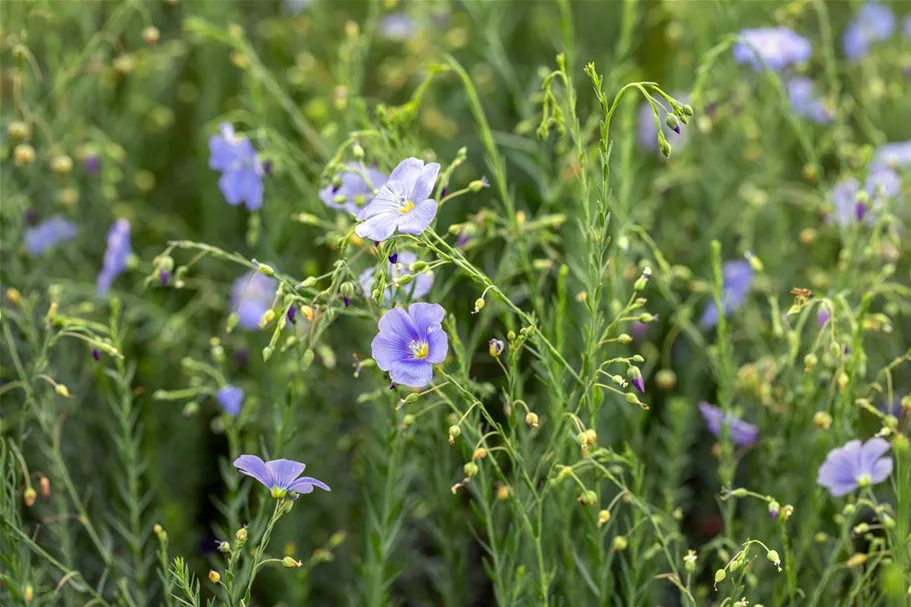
23,155
290,563
151,34
809,362
241,535
603,517
773,557
28,594
619,543
532,419
45,486
62,164
774,509
18,130
822,420
214,576
478,305
588,498
470,469
30,496
224,547
62,390
454,432
266,269
479,453
503,493
720,575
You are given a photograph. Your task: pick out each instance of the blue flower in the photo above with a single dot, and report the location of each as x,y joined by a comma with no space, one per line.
874,22
737,276
416,289
230,398
241,171
397,27
295,6
251,296
47,234
354,192
778,47
742,434
805,103
892,156
280,476
410,343
855,465
403,203
116,255
906,27
880,185
647,134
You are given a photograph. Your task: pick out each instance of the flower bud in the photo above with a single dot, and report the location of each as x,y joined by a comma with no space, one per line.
157,529
478,305
151,34
588,438
23,155
495,347
665,146
470,469
18,130
619,543
454,432
786,512
290,563
214,576
503,493
809,362
822,420
224,547
29,496
45,486
588,498
62,164
241,535
689,561
62,390
478,184
672,123
666,379
267,353
531,419
773,557
265,269
603,517
774,508
479,453
408,420
720,575
29,593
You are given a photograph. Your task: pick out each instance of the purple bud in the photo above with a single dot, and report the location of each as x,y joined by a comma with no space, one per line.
822,317
163,277
31,217
773,513
291,311
267,167
91,163
639,383
376,242
392,386
677,129
394,258
860,209
96,354
462,240
444,192
241,356
346,300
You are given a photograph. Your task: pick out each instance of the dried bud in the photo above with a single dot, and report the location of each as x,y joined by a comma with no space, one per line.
531,419
23,155
603,518
290,563
479,453
29,496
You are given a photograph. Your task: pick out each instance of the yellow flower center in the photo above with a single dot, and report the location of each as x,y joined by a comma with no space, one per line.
420,350
406,206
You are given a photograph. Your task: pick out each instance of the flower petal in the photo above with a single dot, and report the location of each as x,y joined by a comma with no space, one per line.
423,185
399,322
306,485
411,373
378,227
881,470
230,398
438,346
252,465
284,472
871,451
388,348
425,316
404,176
231,184
417,219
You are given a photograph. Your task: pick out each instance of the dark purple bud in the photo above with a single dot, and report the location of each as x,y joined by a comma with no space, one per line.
291,312
860,209
823,316
31,216
376,242
677,129
267,167
392,386
241,355
444,192
163,277
346,300
91,163
773,513
639,383
462,240
394,258
96,354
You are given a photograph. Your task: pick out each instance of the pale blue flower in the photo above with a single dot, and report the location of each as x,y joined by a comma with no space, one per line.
48,234
116,255
280,476
416,289
241,171
874,22
737,277
892,155
403,203
354,192
397,27
251,297
742,434
410,343
880,185
855,465
805,103
230,398
778,47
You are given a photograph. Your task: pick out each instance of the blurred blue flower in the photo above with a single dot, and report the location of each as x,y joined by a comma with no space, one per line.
230,398
874,22
416,289
647,134
805,103
241,171
251,296
397,27
906,27
742,434
294,7
892,156
737,277
410,343
855,465
778,47
47,234
354,192
279,475
116,255
880,185
822,316
403,203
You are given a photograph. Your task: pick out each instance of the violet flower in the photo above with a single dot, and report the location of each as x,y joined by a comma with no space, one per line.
48,234
403,203
855,465
822,316
892,156
777,47
397,27
880,185
416,289
743,434
874,22
251,296
410,343
280,476
116,255
230,398
737,277
241,171
354,192
806,104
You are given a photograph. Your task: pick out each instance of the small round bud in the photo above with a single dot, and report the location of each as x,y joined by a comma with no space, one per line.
62,390
720,575
157,529
588,498
241,535
29,496
478,184
18,130
503,493
224,547
603,517
151,34
479,453
619,543
454,432
62,164
809,362
290,563
470,469
214,576
23,155
666,379
774,509
822,420
358,151
478,305
408,420
672,122
531,419
773,557
686,109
